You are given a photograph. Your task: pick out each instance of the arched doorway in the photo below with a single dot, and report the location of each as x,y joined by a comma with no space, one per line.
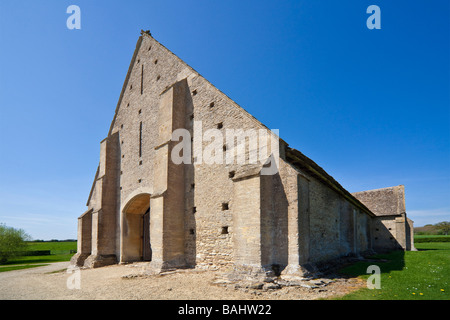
135,242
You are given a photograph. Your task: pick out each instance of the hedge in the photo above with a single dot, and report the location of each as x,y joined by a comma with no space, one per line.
35,253
432,239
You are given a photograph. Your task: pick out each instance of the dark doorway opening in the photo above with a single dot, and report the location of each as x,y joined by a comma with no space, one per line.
146,248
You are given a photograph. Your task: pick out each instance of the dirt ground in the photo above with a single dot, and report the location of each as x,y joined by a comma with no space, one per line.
125,282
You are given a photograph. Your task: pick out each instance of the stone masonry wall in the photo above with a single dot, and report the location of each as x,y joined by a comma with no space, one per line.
208,202
301,222
337,227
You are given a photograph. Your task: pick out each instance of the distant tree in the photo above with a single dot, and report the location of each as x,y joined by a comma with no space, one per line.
12,242
444,226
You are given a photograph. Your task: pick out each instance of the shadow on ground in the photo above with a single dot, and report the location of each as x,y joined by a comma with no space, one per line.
387,262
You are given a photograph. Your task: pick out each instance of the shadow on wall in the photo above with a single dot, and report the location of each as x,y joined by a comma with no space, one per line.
274,223
190,246
392,233
388,256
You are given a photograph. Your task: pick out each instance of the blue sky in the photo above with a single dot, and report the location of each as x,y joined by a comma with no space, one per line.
372,107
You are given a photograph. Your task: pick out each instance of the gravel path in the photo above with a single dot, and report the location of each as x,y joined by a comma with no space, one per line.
121,282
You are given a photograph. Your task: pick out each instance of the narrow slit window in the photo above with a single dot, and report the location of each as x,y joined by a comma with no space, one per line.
225,206
140,139
224,230
142,79
220,125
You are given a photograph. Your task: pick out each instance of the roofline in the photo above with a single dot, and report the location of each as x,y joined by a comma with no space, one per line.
125,83
86,212
300,161
93,185
380,189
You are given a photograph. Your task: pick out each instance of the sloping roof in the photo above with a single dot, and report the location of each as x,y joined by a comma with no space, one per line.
93,186
385,201
302,162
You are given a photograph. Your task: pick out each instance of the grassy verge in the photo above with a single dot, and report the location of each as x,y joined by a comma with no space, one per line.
416,275
15,267
60,251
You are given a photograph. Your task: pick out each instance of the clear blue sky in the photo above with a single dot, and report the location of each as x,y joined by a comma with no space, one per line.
372,107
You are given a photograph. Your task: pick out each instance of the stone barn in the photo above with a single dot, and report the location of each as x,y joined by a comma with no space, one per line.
391,228
172,191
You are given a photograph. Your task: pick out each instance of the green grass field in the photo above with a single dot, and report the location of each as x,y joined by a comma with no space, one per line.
59,251
410,275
